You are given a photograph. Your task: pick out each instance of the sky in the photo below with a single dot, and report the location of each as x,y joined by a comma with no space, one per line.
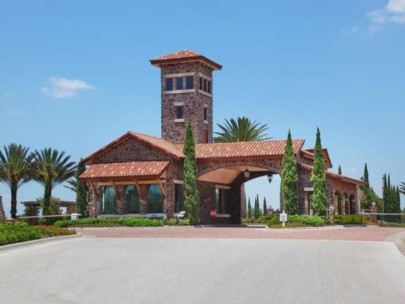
75,75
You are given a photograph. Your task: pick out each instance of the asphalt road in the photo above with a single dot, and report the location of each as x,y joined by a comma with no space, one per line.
156,270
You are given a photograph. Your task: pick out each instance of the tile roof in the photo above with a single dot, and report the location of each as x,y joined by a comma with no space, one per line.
184,56
141,170
335,176
243,149
152,141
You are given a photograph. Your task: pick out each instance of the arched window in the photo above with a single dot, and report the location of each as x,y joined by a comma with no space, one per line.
155,199
131,199
108,200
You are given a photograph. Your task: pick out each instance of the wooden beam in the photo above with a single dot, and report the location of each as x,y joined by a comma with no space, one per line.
94,190
162,188
132,182
138,188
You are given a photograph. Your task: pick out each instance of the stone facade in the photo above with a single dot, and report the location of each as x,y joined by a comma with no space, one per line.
193,104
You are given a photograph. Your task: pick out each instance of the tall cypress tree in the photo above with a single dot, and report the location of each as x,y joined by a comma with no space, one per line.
365,176
318,179
257,207
289,181
264,206
340,170
81,192
191,195
249,211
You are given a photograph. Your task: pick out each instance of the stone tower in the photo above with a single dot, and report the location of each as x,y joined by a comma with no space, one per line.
186,92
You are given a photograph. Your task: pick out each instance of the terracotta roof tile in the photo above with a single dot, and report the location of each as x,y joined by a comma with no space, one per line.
159,143
335,176
142,170
243,149
184,56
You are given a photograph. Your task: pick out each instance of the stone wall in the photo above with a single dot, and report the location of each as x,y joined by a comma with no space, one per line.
193,108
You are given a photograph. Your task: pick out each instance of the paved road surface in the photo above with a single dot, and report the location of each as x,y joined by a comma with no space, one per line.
203,270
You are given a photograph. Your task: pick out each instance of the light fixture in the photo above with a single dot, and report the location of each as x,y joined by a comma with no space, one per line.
246,173
270,178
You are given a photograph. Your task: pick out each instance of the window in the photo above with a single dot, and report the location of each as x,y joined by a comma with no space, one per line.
179,198
205,85
205,114
222,201
108,200
189,82
179,112
169,84
201,84
155,199
209,87
131,199
179,83
206,136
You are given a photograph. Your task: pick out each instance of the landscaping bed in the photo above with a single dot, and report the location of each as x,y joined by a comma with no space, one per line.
117,222
17,232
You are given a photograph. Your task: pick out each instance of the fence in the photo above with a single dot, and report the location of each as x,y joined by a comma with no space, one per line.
384,219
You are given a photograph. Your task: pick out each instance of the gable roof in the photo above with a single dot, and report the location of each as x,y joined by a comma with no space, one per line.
335,176
142,170
183,57
243,149
154,142
310,154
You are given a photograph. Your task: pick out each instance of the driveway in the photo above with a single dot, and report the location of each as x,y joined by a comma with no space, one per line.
202,270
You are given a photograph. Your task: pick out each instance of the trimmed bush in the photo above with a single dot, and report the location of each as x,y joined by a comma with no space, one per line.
103,222
21,232
344,219
298,221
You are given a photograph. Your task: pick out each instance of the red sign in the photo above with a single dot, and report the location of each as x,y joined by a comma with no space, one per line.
213,213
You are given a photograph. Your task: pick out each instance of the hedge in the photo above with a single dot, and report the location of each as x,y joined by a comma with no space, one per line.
298,221
103,222
344,219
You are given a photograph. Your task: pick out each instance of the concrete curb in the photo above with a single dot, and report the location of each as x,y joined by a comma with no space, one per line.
399,240
39,241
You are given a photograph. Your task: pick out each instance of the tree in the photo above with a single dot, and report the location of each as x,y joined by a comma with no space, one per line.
51,169
15,170
289,181
318,179
257,207
365,176
191,195
241,129
82,190
340,170
249,211
264,206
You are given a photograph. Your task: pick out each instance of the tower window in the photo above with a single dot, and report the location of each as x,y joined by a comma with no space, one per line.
169,84
179,83
206,136
209,87
189,82
179,112
201,83
205,85
205,114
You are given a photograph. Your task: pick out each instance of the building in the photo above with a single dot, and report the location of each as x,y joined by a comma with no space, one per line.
139,174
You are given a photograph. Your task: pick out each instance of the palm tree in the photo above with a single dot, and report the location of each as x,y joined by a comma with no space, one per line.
51,169
241,129
402,188
15,170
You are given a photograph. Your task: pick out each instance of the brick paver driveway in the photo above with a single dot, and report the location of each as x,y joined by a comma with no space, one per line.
324,233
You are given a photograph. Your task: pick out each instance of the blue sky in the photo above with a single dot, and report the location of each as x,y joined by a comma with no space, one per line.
75,75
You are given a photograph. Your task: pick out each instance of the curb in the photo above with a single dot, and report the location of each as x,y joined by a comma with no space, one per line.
39,241
399,240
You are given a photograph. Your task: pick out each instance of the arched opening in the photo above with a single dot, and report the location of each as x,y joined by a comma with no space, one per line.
131,199
338,203
155,199
352,204
108,200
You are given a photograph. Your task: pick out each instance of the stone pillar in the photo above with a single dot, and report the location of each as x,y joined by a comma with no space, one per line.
373,210
119,199
2,214
143,199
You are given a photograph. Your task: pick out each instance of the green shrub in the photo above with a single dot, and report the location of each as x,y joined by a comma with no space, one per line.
20,232
344,219
103,222
297,221
263,219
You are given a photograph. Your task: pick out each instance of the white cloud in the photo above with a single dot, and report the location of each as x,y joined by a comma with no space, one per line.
394,11
396,6
352,30
65,88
